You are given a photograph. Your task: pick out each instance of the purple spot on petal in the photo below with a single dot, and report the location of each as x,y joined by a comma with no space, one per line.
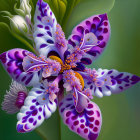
32,107
69,99
49,33
40,35
90,105
29,79
39,117
3,57
31,120
40,109
109,72
80,29
34,100
74,117
40,26
62,110
38,92
120,87
34,112
50,41
35,123
98,113
47,28
92,136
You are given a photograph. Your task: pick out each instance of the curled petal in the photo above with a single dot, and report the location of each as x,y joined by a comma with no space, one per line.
80,100
37,107
87,124
92,35
110,81
12,61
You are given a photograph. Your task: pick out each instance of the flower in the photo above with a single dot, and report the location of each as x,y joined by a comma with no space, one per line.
14,99
21,23
61,64
18,24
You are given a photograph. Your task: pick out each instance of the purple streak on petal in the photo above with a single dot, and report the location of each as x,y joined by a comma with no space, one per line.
43,45
13,60
86,61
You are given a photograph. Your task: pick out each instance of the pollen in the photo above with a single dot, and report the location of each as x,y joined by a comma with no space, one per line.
44,98
63,66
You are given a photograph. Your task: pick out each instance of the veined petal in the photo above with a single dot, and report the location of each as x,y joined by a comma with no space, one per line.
92,35
87,124
37,107
32,63
110,81
48,35
12,62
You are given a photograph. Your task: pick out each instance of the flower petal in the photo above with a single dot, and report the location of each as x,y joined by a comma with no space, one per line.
110,81
93,33
35,110
12,62
80,100
48,35
86,124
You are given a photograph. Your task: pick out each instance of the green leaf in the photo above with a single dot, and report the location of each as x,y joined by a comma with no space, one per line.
6,5
10,40
83,10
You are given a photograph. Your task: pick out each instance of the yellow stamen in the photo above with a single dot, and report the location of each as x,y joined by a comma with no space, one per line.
56,58
80,78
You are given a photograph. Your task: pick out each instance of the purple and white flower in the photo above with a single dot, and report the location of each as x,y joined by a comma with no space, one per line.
61,64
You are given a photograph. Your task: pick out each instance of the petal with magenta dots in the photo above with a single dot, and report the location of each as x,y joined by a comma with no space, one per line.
87,124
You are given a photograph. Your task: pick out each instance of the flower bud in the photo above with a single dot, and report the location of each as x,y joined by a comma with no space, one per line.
18,24
25,6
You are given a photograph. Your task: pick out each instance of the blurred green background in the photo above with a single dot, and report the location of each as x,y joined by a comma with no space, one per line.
121,113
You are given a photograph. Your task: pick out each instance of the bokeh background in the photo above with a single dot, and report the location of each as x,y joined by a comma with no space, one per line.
121,113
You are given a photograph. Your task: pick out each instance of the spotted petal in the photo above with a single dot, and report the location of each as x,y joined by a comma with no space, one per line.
37,107
12,62
47,32
93,34
110,81
87,124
